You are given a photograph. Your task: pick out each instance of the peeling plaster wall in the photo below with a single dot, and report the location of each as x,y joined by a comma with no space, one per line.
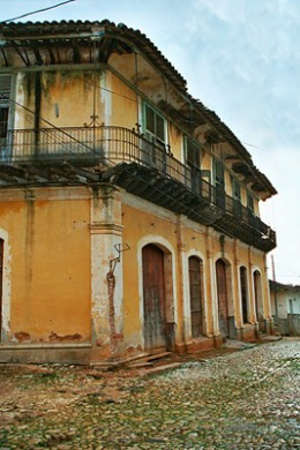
47,265
142,220
6,287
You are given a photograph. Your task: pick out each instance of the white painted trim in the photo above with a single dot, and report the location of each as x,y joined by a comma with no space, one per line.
186,297
144,205
6,286
223,256
258,269
215,306
105,96
165,245
193,226
46,193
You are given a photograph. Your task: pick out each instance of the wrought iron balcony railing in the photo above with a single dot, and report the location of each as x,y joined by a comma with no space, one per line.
109,146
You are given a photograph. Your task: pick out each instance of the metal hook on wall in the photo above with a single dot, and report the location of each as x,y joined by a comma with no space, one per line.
113,262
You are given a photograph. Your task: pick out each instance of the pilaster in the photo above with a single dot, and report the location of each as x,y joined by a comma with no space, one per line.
106,232
253,314
211,289
236,287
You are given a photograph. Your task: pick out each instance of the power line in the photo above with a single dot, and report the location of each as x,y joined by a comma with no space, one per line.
37,11
251,145
113,162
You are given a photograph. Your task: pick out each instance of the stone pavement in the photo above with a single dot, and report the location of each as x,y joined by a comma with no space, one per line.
243,400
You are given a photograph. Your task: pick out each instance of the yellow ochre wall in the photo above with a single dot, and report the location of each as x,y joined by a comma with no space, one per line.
137,225
69,98
190,239
50,269
76,96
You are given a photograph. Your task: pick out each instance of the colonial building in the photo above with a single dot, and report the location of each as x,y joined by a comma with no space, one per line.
129,212
285,307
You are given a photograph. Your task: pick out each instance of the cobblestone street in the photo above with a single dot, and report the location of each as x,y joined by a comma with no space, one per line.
242,400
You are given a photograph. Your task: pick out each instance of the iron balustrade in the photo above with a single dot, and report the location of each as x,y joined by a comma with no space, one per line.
110,145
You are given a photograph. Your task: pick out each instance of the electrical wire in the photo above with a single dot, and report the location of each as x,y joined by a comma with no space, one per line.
38,11
113,163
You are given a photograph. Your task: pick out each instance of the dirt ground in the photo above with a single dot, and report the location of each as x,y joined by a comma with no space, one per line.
219,399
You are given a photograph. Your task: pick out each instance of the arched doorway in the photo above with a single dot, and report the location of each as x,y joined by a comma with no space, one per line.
244,294
154,297
258,300
222,297
196,298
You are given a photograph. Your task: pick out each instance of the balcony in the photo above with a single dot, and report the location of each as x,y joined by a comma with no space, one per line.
71,156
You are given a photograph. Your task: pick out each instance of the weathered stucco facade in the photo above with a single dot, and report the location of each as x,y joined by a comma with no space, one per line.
129,212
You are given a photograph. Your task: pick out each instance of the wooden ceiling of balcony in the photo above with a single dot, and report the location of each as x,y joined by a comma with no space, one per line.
47,174
145,182
69,42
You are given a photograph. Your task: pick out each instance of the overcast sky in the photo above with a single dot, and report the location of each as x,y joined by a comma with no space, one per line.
241,58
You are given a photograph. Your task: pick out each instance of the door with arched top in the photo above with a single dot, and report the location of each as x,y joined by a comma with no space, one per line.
258,301
222,297
195,296
154,297
244,294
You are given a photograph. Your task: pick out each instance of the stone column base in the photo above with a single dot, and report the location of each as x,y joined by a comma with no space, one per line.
269,326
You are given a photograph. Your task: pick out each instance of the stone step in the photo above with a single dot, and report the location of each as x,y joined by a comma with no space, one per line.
162,368
139,364
149,358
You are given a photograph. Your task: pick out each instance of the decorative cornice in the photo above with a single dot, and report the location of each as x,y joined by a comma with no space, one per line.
106,228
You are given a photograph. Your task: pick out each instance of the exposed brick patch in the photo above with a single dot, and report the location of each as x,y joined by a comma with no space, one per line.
68,337
22,336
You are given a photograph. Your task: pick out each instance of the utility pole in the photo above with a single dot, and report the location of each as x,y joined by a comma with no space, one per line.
275,286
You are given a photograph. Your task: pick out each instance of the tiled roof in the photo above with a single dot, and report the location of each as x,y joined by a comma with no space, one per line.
63,29
279,287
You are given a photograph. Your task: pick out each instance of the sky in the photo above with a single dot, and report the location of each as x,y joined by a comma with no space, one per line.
241,58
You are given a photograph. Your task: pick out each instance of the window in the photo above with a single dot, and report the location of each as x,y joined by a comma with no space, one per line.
219,179
154,126
3,121
250,202
236,195
193,162
192,153
5,82
154,147
250,207
219,174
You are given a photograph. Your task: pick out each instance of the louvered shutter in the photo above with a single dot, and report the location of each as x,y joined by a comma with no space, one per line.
5,85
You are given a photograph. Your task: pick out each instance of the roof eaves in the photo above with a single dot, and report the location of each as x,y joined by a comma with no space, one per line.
13,30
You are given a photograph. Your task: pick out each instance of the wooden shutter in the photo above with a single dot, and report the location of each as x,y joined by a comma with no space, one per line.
5,87
5,84
195,296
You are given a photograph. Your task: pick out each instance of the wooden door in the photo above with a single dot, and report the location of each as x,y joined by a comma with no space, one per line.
244,294
258,301
154,297
195,296
1,282
222,297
